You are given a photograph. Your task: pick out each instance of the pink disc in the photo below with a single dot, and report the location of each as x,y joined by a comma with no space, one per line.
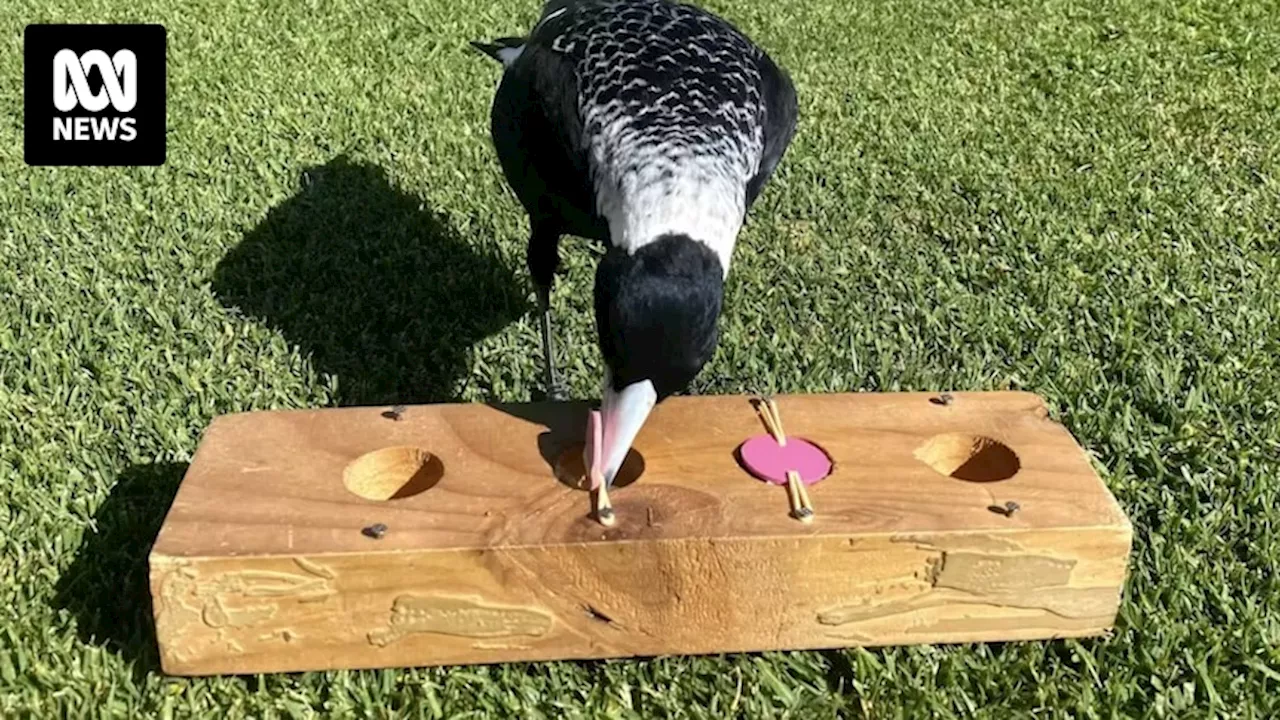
769,461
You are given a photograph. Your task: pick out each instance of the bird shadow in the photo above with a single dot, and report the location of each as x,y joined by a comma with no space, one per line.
106,588
565,423
378,288
561,443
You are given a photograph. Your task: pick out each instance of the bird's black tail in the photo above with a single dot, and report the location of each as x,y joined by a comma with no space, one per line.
492,49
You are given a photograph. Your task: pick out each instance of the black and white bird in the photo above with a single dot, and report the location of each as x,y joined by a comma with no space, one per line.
651,126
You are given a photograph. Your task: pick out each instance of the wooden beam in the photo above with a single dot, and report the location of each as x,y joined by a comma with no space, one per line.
462,533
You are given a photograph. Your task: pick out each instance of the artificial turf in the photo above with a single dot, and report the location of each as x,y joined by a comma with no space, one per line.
1071,197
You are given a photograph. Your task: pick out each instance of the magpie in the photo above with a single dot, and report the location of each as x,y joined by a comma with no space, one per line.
650,126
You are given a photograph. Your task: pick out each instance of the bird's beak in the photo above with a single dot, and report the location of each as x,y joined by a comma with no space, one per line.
622,415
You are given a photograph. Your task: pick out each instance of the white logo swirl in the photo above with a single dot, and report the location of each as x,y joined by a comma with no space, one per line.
119,80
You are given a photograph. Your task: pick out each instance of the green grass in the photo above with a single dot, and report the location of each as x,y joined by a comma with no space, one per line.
1077,198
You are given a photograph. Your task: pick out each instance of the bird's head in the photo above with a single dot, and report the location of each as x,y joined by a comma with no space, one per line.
656,316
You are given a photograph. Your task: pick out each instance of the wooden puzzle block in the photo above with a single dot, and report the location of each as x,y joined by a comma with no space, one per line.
462,533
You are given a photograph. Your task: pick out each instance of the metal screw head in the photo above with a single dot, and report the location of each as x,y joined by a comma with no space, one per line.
375,531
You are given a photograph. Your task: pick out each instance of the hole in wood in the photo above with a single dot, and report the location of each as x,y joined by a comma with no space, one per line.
392,473
570,470
975,458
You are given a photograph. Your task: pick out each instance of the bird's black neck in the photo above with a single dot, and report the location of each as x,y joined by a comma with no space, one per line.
657,311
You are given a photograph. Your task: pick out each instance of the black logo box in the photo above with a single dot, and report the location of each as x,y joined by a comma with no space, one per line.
147,42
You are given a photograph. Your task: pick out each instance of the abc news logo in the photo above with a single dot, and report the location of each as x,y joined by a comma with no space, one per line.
94,95
71,89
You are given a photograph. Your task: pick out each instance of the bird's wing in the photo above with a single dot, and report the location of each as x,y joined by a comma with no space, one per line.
780,110
551,10
537,119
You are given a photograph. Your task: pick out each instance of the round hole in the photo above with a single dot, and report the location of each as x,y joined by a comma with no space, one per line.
571,471
392,473
975,458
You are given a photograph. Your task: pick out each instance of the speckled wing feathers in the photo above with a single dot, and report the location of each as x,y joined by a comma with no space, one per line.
672,117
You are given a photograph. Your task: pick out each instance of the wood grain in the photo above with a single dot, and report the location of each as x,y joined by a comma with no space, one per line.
264,562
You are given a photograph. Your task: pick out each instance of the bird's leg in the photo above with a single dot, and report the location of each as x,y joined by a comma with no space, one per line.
554,390
544,258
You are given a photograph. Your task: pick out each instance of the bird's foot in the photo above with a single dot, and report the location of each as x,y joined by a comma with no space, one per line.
554,386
